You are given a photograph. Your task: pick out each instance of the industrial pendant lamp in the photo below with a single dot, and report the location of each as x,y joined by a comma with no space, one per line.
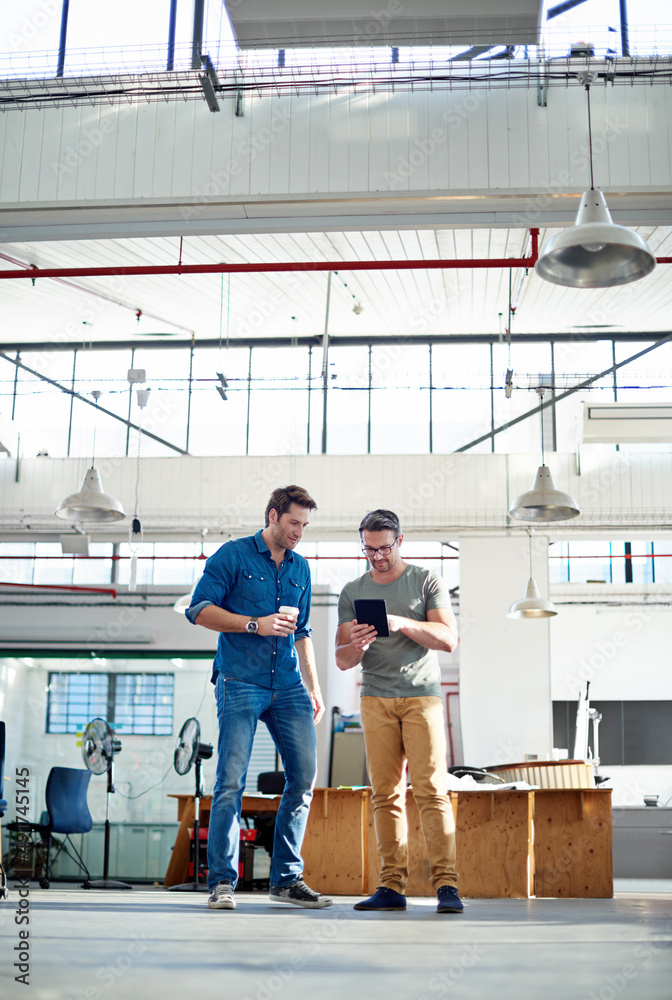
543,503
90,503
532,604
595,252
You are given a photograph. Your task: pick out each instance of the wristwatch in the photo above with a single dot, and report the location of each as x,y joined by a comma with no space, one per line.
252,626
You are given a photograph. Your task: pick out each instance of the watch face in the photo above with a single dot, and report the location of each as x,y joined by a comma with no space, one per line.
251,626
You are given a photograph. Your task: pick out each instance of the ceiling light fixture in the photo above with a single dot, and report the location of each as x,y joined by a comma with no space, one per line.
543,503
90,503
532,605
595,252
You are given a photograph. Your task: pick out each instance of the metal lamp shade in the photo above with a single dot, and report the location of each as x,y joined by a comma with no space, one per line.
595,252
543,503
90,504
532,605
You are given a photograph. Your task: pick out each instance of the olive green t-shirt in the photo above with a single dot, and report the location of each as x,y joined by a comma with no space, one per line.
396,666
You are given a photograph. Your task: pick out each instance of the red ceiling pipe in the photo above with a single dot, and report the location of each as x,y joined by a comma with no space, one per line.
59,586
333,265
308,265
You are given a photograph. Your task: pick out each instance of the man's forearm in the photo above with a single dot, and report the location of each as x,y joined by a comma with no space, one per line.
348,656
306,654
220,620
431,635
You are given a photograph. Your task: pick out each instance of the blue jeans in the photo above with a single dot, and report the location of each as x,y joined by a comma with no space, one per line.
288,714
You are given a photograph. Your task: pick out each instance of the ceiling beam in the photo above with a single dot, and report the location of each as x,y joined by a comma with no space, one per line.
580,336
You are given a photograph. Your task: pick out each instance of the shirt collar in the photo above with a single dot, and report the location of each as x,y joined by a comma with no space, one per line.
263,548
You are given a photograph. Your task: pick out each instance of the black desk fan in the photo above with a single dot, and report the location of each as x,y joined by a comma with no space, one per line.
99,746
187,752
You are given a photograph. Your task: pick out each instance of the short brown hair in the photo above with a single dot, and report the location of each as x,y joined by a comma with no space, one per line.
282,499
381,520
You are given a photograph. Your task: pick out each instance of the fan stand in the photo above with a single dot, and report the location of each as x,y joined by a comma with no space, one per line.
194,885
105,882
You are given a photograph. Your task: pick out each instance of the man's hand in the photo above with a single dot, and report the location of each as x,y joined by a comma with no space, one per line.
361,636
318,704
276,624
396,623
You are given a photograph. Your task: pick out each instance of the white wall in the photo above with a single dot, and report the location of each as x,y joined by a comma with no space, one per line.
505,676
433,494
625,654
327,161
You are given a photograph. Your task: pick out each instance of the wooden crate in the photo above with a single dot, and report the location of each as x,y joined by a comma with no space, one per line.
336,845
572,843
493,837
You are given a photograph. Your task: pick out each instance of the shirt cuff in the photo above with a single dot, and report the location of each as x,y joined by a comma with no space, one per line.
194,611
305,633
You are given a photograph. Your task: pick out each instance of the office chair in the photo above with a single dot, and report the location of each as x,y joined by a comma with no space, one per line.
3,809
271,782
67,811
268,783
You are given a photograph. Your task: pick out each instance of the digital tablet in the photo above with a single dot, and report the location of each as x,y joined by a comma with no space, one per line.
372,612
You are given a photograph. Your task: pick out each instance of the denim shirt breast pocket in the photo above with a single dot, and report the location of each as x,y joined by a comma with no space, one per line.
256,592
296,590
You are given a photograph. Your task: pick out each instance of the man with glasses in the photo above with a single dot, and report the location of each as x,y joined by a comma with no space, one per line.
402,711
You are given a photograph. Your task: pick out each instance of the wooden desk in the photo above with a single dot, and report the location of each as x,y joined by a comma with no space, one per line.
554,842
177,872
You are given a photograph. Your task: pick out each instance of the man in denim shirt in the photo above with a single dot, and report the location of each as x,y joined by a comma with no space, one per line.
264,669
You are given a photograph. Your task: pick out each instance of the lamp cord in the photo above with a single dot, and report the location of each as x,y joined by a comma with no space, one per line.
137,467
96,395
590,139
541,415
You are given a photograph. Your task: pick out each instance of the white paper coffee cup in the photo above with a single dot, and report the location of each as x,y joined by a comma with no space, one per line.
289,611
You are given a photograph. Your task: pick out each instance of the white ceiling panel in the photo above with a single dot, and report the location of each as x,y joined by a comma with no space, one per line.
411,302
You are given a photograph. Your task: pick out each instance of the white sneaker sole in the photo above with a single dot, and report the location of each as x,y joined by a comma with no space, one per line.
222,904
319,904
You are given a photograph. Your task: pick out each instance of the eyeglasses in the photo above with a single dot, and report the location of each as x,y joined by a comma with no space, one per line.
383,550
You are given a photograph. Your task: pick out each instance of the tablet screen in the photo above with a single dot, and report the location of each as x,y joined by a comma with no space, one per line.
372,612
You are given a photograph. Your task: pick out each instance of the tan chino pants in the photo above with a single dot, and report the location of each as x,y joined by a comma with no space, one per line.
397,730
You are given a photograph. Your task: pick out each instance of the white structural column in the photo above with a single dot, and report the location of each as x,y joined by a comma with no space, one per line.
505,677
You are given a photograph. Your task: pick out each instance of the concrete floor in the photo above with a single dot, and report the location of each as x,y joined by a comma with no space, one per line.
148,943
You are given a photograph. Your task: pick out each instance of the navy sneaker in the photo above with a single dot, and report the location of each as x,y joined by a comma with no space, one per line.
383,899
448,900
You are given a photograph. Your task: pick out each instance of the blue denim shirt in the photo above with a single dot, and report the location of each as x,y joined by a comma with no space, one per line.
242,578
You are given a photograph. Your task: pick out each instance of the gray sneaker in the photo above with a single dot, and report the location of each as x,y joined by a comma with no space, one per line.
299,894
221,897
